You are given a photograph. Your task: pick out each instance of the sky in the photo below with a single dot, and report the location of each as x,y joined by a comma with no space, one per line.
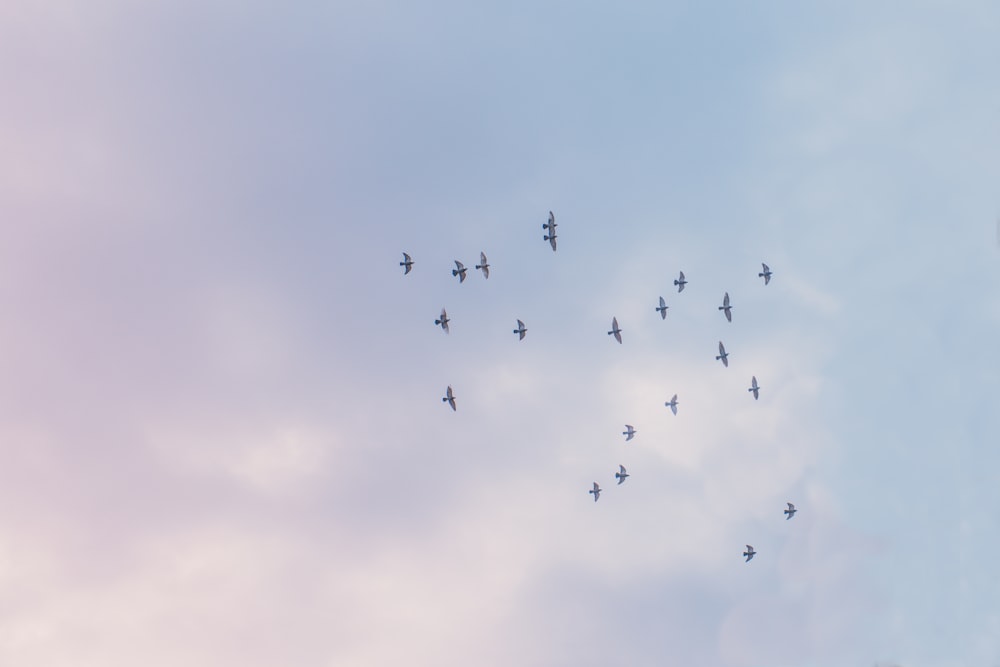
220,398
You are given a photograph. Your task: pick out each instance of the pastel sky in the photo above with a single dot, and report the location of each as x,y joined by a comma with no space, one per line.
220,400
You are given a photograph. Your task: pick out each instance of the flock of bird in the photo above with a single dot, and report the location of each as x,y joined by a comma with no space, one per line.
680,282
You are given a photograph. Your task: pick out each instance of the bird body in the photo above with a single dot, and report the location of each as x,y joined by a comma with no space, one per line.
662,310
596,491
754,387
520,330
723,355
449,398
459,271
680,282
726,308
407,264
615,331
443,322
749,553
790,511
621,474
484,265
672,404
550,228
766,274
629,433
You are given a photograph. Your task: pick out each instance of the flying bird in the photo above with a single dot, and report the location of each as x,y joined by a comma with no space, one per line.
596,491
672,404
749,553
484,265
407,264
766,275
449,398
790,511
459,271
662,310
443,321
723,355
520,330
621,475
550,228
629,433
754,387
680,282
615,331
726,308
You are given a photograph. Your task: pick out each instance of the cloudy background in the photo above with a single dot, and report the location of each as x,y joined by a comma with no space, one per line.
220,417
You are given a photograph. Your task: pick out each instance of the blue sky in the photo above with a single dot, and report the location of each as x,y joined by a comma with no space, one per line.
220,399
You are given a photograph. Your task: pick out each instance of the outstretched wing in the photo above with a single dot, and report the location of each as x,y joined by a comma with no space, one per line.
791,507
725,300
552,221
722,349
552,240
622,469
729,314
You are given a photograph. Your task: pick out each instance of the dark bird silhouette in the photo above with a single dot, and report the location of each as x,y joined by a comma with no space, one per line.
749,553
726,308
483,264
550,228
407,264
754,387
520,330
449,398
662,310
790,511
443,322
459,271
621,474
596,491
766,275
723,355
615,331
680,282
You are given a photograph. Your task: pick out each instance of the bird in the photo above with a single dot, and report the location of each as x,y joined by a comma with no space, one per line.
407,264
596,491
520,330
615,331
629,433
459,271
550,228
790,511
443,321
766,275
621,475
749,553
754,387
680,282
484,266
449,398
723,355
672,404
726,308
662,310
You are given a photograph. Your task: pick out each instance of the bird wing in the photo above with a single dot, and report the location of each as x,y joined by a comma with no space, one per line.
459,265
766,269
725,300
482,258
406,258
552,241
663,304
753,381
729,314
614,324
722,349
791,507
618,336
552,218
622,468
